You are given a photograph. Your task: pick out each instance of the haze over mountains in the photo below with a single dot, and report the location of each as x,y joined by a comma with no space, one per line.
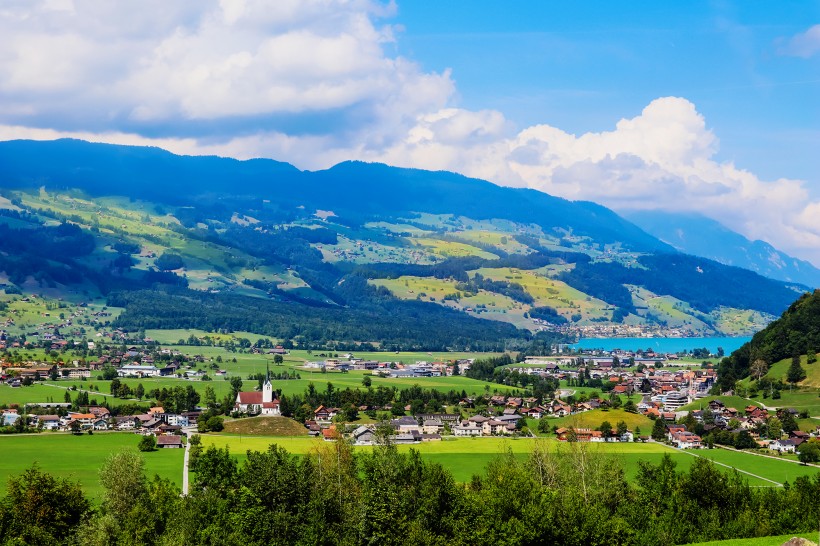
701,236
367,252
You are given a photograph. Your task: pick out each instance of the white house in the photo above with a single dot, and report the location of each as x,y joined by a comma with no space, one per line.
467,428
138,370
784,446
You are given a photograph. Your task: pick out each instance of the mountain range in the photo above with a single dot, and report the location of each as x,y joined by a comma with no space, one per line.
696,234
398,258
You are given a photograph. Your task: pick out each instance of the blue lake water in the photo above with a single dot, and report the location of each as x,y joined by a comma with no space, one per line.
662,344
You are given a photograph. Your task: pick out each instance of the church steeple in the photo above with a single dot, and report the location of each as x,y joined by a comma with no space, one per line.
267,388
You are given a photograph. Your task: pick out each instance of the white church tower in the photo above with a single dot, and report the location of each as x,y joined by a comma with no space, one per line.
267,388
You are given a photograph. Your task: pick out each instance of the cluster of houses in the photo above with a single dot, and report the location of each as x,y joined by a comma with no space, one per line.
133,362
425,427
391,369
167,427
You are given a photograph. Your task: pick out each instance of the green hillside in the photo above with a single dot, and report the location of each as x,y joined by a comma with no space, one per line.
369,255
795,333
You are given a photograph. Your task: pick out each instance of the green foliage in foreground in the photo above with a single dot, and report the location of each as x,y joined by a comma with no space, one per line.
573,495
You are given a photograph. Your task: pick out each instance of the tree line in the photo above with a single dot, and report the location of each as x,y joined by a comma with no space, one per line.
571,495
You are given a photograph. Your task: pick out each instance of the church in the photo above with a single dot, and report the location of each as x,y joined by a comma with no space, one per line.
258,402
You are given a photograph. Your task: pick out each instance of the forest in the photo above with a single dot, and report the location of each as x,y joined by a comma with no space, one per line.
796,332
570,495
393,323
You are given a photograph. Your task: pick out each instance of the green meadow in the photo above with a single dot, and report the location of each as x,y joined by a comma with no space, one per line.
464,457
80,457
760,541
778,470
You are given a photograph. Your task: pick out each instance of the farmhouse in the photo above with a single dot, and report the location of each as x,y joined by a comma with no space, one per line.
169,442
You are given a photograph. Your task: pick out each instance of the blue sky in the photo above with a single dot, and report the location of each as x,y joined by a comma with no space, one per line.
708,107
582,66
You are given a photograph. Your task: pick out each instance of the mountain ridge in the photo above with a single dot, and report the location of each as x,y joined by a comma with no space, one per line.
694,233
333,252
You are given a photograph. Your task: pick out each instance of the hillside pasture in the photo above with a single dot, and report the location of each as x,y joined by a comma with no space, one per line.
451,248
551,292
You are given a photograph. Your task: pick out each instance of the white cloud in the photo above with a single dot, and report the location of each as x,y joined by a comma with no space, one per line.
806,44
210,68
663,158
314,82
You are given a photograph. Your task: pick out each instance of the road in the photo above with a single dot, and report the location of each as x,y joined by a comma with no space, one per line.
188,432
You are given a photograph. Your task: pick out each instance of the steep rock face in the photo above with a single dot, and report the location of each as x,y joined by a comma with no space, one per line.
702,236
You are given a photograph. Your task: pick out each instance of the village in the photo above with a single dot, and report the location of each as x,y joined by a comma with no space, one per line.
642,383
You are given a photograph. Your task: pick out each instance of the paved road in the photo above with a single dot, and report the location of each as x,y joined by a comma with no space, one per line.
185,469
690,452
776,458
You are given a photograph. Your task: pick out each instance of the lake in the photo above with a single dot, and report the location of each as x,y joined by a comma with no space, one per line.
662,344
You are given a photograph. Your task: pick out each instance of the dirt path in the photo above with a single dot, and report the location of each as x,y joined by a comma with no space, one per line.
689,452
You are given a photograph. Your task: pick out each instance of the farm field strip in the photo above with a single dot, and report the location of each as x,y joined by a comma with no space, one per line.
80,457
467,456
746,472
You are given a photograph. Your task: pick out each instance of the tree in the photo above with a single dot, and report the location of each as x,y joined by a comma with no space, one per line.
147,443
774,428
42,509
214,424
789,422
236,386
759,368
606,429
621,428
210,397
811,356
659,430
796,373
351,412
809,452
67,397
366,381
140,391
278,359
123,478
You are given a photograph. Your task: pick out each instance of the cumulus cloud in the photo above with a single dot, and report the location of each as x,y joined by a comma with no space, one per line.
664,158
806,44
213,69
314,82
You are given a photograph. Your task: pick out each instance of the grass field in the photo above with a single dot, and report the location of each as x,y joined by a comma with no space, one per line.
247,364
770,468
779,369
464,457
452,249
593,419
265,426
550,292
80,457
731,402
353,380
761,541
